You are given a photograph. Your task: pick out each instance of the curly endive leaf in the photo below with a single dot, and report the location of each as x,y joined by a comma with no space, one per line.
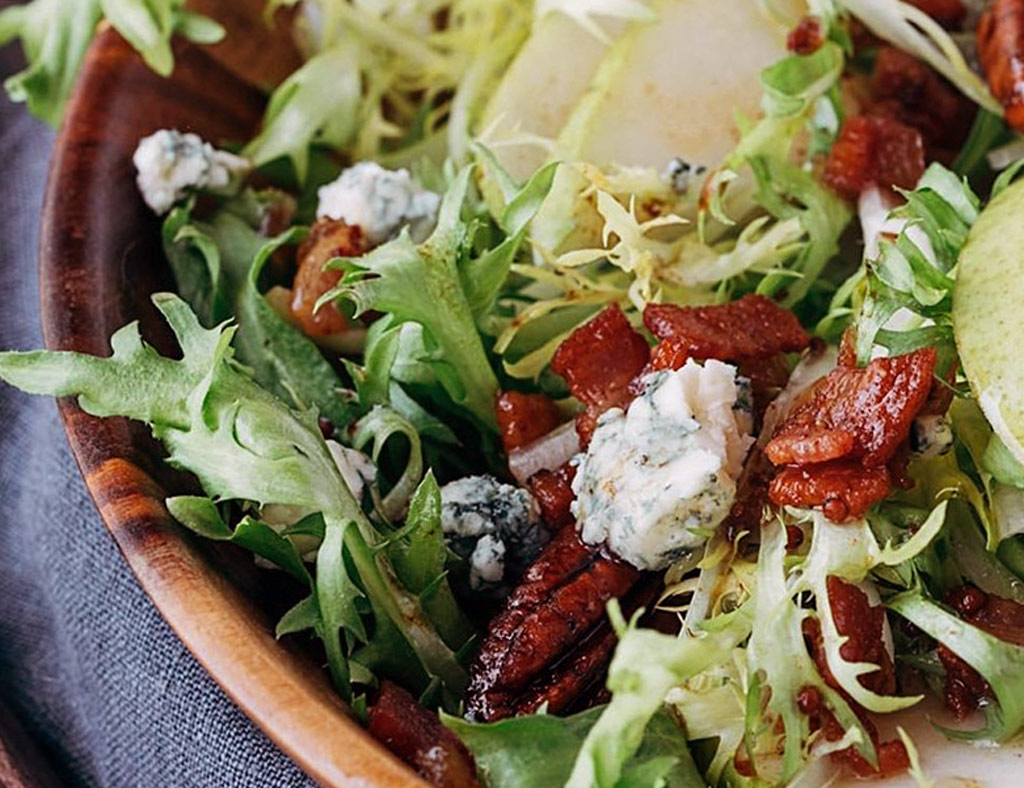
245,444
56,33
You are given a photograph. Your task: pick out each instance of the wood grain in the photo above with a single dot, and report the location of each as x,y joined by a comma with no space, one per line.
100,259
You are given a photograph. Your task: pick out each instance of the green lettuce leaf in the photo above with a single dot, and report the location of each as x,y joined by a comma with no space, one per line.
56,33
647,664
217,264
244,444
526,752
999,662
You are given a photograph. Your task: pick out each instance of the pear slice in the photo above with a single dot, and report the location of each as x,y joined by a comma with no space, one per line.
542,85
988,314
673,88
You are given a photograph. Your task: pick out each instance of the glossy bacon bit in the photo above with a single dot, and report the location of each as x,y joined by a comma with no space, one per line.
417,737
874,150
857,413
965,689
327,239
909,91
598,361
863,625
553,492
843,490
562,598
751,327
948,13
523,418
807,37
1001,52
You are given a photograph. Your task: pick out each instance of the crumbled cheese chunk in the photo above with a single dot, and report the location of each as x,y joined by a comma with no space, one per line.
930,436
171,163
678,174
491,524
658,477
380,202
355,468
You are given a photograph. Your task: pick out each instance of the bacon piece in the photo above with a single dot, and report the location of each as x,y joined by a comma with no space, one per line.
909,91
1001,52
523,418
857,413
563,595
965,689
599,360
843,490
327,239
553,492
807,37
863,625
417,737
751,327
874,150
948,13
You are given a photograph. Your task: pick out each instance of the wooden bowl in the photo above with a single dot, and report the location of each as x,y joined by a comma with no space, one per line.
100,259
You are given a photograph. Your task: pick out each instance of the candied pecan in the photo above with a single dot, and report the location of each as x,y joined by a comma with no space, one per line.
874,150
417,736
965,689
327,239
523,418
562,597
948,13
844,490
564,686
909,91
857,413
751,327
807,37
553,491
1001,52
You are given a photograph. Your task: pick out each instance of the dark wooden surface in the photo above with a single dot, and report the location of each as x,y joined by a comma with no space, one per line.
100,259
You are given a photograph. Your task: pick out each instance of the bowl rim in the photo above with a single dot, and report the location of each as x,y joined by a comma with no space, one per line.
293,704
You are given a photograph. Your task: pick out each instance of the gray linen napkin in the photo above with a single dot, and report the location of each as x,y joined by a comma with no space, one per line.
86,662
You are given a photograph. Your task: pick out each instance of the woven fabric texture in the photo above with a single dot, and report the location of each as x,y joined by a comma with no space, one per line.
86,662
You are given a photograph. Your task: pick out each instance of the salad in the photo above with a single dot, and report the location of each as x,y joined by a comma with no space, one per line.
629,388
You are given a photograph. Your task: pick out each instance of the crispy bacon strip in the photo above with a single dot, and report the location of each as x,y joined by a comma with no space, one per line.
598,361
857,413
1001,52
965,689
417,736
948,13
523,418
863,626
553,491
327,239
562,597
909,91
807,37
753,327
874,150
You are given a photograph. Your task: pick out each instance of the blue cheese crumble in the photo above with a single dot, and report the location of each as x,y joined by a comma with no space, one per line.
494,526
930,436
170,164
380,202
658,477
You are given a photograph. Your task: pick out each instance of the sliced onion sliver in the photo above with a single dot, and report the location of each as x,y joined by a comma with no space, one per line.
546,453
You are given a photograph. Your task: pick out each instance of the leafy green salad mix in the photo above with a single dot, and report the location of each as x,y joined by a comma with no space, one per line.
440,202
